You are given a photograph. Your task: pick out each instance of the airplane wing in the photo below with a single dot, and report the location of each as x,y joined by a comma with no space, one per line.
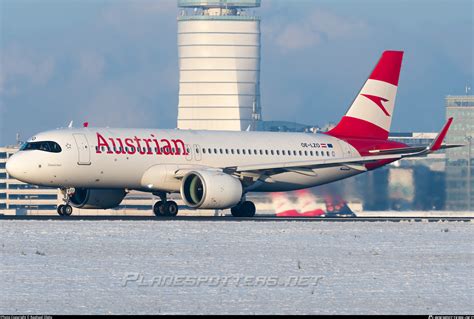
354,162
410,150
285,166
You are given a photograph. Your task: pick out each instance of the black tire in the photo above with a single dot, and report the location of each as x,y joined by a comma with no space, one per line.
171,209
246,209
235,211
249,209
158,209
66,210
60,210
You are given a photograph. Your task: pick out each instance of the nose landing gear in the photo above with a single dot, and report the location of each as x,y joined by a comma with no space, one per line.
66,210
165,208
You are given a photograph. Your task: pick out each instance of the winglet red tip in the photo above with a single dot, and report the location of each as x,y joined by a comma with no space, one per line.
436,145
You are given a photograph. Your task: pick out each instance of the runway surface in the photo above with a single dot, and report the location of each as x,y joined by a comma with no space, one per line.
200,266
234,219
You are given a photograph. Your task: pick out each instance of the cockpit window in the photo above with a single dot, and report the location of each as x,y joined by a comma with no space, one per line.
46,146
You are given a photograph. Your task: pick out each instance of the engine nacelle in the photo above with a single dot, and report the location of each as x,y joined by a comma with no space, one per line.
210,190
97,198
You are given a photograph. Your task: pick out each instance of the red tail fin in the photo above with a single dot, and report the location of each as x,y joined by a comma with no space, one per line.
370,115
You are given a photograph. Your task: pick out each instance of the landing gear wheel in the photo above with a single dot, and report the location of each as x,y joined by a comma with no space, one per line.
65,210
246,209
157,208
60,210
165,209
170,208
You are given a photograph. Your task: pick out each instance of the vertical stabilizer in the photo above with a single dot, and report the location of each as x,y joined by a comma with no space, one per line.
370,115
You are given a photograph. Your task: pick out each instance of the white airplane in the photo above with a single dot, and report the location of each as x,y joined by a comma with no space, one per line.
282,205
96,167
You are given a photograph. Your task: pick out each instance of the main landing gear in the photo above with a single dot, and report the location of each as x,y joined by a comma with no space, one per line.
244,209
66,210
165,208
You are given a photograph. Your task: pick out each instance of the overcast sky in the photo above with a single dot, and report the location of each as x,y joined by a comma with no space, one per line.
114,63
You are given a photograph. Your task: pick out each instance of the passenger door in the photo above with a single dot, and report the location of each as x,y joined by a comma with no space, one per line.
84,155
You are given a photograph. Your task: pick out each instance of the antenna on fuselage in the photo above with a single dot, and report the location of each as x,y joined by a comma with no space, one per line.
70,124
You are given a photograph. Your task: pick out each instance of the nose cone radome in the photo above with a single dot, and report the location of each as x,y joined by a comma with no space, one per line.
15,168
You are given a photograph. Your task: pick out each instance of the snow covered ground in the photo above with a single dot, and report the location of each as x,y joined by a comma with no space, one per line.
88,267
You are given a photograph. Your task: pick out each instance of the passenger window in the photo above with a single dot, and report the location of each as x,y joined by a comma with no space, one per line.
306,153
301,153
238,152
226,151
204,151
278,152
294,153
261,152
327,153
266,152
243,152
271,151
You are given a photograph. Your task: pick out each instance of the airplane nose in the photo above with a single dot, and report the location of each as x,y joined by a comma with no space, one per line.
13,167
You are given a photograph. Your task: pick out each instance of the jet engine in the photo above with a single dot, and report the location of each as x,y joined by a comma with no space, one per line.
97,198
210,190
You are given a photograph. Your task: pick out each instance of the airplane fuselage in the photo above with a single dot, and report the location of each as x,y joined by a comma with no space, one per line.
119,158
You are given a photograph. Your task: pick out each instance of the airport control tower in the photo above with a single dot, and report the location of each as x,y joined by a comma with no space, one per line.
219,65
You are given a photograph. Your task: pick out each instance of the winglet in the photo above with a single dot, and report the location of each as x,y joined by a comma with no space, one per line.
436,144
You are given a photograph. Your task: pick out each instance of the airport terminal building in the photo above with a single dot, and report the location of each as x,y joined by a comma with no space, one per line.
460,161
